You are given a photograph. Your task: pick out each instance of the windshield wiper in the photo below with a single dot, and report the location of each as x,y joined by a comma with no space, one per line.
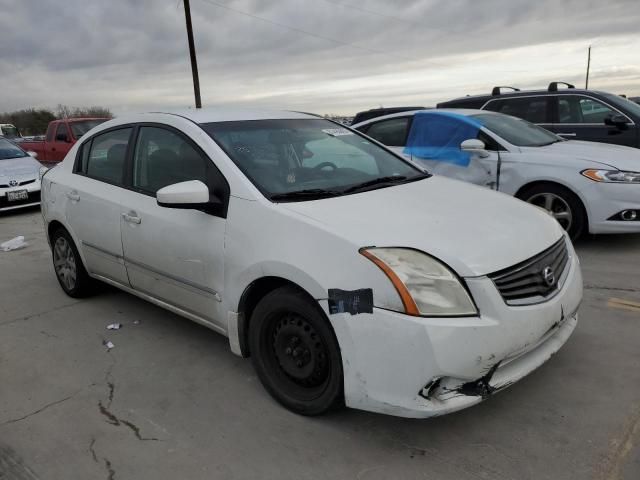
389,180
308,194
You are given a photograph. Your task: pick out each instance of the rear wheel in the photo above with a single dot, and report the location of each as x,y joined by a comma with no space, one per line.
561,203
295,352
70,271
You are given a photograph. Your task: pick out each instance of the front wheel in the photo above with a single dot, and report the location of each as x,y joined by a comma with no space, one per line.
295,352
562,204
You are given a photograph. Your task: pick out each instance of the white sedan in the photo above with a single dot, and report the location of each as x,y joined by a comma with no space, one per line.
347,273
20,175
587,186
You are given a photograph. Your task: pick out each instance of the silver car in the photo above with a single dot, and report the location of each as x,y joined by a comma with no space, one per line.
20,175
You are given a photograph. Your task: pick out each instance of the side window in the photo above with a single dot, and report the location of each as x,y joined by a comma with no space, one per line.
61,133
392,132
163,158
532,109
106,156
579,109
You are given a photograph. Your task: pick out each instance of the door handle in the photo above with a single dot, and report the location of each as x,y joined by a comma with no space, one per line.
73,196
131,217
567,134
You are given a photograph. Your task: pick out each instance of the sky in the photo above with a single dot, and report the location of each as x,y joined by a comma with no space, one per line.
321,56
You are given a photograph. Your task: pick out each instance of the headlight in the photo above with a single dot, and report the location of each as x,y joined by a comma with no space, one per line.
42,171
426,286
612,176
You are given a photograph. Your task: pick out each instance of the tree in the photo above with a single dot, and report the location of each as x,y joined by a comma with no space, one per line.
29,121
64,111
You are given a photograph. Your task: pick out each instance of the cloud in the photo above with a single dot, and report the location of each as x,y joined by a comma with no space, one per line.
132,54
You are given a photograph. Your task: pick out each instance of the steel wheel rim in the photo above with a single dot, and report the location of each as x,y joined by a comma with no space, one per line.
556,206
299,352
64,263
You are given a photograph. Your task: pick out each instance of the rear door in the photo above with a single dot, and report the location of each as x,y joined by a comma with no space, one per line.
93,202
581,117
435,145
392,132
175,255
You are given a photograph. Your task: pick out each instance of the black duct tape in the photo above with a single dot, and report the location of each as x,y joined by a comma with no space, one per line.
350,301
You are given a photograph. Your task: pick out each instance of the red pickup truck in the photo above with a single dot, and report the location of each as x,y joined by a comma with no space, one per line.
61,135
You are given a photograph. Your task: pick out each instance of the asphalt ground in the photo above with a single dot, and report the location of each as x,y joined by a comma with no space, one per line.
170,400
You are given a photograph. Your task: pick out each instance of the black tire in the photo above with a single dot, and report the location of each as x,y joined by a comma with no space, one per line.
563,198
295,352
68,266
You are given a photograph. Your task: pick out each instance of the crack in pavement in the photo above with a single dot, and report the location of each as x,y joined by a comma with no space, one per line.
622,447
34,315
112,419
617,289
48,405
111,472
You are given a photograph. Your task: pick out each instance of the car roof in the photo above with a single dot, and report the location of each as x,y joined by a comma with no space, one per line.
524,93
467,112
228,114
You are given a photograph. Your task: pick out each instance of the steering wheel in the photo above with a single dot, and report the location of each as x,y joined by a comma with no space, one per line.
322,165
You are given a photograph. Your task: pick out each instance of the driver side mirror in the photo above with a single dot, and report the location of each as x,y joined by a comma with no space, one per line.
473,145
62,137
617,120
192,194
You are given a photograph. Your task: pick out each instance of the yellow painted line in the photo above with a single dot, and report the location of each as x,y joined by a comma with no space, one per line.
623,304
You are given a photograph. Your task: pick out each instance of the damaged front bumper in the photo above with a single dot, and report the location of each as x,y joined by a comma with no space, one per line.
422,367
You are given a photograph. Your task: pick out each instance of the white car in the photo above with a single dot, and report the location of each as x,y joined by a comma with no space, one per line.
344,271
20,175
586,186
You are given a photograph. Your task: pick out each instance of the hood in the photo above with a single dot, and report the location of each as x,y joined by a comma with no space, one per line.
474,230
23,168
616,156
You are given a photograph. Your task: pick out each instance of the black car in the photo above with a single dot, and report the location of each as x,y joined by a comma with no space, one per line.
379,112
570,112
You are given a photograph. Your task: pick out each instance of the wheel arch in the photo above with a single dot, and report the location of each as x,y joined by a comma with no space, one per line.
251,296
556,183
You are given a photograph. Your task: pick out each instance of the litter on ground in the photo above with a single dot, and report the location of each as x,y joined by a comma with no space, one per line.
13,244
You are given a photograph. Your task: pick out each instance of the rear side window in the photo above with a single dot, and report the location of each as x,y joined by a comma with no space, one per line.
392,132
532,109
50,132
104,157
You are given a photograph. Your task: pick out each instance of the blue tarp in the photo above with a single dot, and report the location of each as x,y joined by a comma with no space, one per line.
437,136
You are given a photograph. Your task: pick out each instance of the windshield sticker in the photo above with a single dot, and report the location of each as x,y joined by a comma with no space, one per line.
337,132
350,301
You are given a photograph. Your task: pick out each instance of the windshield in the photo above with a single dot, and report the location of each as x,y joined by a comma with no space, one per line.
9,150
516,131
9,131
308,156
83,126
623,103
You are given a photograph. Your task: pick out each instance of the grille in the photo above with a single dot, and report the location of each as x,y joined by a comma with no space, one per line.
33,197
534,279
26,182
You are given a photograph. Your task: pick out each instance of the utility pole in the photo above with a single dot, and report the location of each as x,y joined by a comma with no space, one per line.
586,87
192,54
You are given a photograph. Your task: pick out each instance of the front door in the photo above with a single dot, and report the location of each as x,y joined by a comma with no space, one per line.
61,143
580,117
93,207
175,255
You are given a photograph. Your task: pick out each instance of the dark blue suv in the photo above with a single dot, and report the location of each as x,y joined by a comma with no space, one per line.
570,112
